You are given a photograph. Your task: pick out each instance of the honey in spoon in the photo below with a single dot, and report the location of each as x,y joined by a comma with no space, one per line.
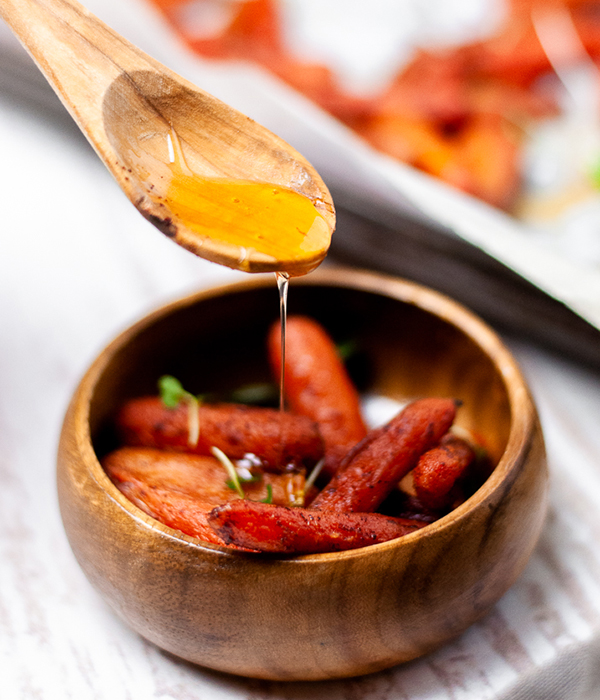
251,225
258,218
214,181
259,192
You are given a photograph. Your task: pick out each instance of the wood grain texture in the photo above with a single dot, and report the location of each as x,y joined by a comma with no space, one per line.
129,105
318,616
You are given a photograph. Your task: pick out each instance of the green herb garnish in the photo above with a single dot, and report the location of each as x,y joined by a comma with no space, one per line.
269,498
255,394
171,392
244,480
230,469
347,349
313,475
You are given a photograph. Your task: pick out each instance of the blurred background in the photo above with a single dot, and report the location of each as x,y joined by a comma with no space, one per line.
497,99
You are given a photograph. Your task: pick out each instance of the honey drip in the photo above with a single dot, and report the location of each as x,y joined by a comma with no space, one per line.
262,217
283,283
258,217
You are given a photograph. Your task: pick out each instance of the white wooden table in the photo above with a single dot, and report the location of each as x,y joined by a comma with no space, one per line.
77,264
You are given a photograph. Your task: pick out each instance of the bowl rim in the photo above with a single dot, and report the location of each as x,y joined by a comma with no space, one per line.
523,414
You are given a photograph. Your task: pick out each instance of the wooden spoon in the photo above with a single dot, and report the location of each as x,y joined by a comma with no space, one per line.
210,178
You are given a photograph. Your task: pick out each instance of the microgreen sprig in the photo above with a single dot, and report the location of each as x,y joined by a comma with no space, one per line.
594,174
313,475
269,497
172,393
234,479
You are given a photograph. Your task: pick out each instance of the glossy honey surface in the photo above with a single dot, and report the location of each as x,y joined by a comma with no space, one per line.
257,217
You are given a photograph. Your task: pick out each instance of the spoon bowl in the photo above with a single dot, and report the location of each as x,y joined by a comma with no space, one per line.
209,177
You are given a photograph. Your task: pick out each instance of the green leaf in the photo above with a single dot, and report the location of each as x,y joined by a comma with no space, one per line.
171,390
269,498
259,393
244,480
347,349
595,175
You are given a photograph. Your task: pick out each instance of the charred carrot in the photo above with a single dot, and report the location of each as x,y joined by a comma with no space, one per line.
375,466
277,439
176,510
199,477
438,469
277,529
179,490
317,385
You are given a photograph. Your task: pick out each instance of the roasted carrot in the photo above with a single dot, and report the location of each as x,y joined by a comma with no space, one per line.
373,468
438,469
176,510
177,501
317,385
279,440
200,477
179,490
278,529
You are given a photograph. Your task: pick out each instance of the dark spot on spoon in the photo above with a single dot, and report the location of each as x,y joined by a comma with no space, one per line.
164,225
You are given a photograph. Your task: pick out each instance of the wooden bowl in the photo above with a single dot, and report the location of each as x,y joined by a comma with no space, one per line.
315,616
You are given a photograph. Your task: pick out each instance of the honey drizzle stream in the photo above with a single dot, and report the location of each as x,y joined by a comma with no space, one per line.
283,283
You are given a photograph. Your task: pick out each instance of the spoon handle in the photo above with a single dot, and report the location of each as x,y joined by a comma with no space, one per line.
79,55
167,142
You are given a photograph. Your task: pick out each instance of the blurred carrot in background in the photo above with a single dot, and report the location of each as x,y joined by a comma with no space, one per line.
459,114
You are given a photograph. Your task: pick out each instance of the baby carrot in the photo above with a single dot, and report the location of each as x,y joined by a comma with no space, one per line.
438,470
277,439
277,529
317,385
200,477
374,467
